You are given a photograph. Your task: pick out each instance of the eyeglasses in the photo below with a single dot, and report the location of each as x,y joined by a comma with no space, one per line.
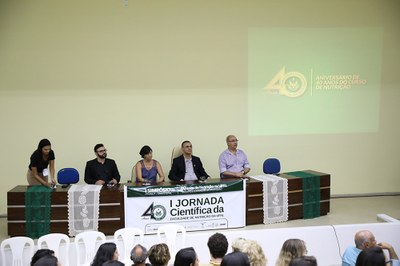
233,140
101,151
188,146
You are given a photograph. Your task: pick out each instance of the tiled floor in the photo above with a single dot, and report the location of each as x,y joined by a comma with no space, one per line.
343,211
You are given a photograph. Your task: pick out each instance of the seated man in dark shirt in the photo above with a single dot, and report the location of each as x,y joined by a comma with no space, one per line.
187,167
101,170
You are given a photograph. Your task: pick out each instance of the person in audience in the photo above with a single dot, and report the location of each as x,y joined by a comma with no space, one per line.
252,249
291,248
101,170
187,166
107,251
47,260
233,162
139,256
372,256
147,169
40,253
112,263
159,255
235,258
41,165
218,246
364,239
186,257
304,261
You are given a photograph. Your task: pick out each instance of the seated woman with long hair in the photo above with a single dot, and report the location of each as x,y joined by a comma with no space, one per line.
291,248
106,252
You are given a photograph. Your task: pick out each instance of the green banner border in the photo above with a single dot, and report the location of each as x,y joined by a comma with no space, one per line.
184,189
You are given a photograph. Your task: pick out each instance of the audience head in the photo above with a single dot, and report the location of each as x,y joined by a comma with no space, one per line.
304,261
364,239
291,248
112,263
218,245
235,258
145,150
159,255
138,254
40,253
252,249
186,257
373,256
47,260
107,251
238,243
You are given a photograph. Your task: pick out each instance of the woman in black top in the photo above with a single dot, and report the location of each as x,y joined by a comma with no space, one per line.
39,170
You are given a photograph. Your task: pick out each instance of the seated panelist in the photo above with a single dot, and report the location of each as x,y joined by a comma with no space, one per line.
187,167
233,162
147,169
101,170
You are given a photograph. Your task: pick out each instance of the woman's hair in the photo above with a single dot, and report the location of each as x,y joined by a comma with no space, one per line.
235,258
46,260
145,150
373,256
185,257
304,261
159,255
292,248
40,253
43,143
104,253
252,249
238,243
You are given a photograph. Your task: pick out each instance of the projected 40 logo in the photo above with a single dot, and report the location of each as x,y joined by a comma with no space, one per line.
291,84
155,212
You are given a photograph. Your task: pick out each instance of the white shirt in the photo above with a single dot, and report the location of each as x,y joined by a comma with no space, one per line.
189,175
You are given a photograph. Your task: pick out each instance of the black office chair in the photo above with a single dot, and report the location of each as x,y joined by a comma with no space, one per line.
67,176
272,166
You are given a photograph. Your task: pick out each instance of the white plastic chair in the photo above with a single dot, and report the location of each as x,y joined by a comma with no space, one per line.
130,236
168,234
176,152
59,243
20,254
91,242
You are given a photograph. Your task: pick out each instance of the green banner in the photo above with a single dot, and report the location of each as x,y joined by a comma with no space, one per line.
37,211
184,189
311,194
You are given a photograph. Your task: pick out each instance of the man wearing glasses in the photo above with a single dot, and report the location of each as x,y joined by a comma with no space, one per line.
187,167
101,170
233,162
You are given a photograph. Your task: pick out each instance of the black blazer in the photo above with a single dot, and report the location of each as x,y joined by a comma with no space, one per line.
178,168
